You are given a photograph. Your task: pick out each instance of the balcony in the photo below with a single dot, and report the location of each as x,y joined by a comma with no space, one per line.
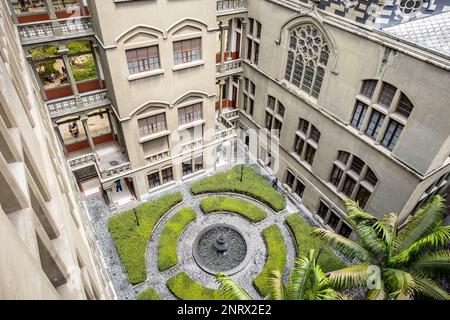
39,32
225,7
230,67
65,106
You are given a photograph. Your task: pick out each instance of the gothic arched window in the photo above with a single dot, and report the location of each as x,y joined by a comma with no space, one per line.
308,55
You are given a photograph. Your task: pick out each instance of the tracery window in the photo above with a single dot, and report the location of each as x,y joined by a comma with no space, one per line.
409,7
307,58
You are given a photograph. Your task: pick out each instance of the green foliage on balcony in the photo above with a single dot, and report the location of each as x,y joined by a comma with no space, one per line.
131,240
252,185
168,241
241,207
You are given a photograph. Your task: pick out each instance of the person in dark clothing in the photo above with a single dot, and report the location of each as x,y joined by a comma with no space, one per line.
275,183
118,185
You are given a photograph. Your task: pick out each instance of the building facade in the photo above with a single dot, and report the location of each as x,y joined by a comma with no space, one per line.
333,97
47,247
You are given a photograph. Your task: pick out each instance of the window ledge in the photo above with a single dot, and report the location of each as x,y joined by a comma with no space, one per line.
188,65
145,74
154,136
191,124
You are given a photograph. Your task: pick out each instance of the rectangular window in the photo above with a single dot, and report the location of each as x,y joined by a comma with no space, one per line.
245,104
387,95
343,157
252,105
281,109
323,210
167,175
376,121
250,25
315,134
358,115
290,179
371,177
153,180
198,163
258,30
246,84
392,133
268,122
368,88
404,106
336,176
299,189
187,167
143,59
345,230
190,113
303,125
362,197
252,88
187,51
271,102
277,125
310,154
249,49
348,187
153,124
298,145
334,220
256,60
357,165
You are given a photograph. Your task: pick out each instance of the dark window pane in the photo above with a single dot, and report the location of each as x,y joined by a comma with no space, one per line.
271,102
310,153
290,179
187,167
368,88
315,134
336,175
303,125
357,165
334,220
359,114
167,175
153,180
343,157
299,188
371,177
387,94
298,145
362,196
348,187
404,106
374,127
268,121
323,210
281,109
345,230
392,134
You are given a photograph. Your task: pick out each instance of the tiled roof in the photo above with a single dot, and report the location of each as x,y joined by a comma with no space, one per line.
432,32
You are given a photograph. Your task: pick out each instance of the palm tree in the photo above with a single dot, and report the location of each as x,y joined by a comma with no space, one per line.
307,282
402,261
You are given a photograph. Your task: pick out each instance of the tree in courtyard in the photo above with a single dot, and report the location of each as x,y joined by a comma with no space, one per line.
393,262
307,282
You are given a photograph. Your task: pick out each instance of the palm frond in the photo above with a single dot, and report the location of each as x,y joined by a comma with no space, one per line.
354,276
346,247
426,219
433,264
230,290
439,237
356,215
277,288
377,293
299,277
401,284
369,238
429,288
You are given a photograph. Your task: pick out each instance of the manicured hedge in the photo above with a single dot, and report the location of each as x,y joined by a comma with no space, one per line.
131,240
305,241
253,185
185,288
241,207
276,258
168,241
149,294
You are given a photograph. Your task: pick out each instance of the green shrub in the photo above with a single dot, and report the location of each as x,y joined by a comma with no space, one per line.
276,258
305,241
149,294
244,208
168,241
185,288
253,185
131,240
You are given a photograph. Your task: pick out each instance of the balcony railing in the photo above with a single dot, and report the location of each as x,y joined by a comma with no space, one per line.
42,31
158,156
231,6
192,145
231,114
83,161
68,105
229,67
108,173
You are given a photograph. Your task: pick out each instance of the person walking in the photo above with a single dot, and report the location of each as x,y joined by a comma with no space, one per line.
118,185
275,183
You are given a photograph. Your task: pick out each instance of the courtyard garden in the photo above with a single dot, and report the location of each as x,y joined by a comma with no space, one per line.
231,236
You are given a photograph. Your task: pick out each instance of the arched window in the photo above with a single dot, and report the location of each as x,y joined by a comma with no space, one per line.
307,57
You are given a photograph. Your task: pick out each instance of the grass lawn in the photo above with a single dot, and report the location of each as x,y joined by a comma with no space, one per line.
276,258
253,185
241,207
185,288
168,241
149,294
131,240
305,241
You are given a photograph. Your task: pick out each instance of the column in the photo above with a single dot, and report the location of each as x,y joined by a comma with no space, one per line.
73,84
240,90
230,39
60,138
84,120
221,84
98,64
57,30
36,76
243,38
223,27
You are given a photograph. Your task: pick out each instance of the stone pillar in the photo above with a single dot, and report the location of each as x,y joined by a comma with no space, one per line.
36,76
223,27
243,38
84,120
221,84
113,124
73,84
60,138
98,65
57,30
230,39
